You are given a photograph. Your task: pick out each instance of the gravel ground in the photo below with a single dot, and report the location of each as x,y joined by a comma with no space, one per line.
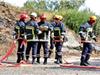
50,68
47,71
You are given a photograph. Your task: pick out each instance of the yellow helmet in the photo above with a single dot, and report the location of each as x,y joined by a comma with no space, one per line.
93,18
59,17
56,16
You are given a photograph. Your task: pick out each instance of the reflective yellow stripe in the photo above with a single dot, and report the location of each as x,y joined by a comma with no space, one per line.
57,29
30,28
18,28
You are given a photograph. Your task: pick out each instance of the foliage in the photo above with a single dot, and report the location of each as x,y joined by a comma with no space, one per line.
35,5
67,8
71,4
54,5
74,19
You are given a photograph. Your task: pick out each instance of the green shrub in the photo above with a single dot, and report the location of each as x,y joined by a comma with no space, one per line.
73,19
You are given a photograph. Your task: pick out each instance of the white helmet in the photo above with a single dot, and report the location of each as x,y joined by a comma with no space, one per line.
33,14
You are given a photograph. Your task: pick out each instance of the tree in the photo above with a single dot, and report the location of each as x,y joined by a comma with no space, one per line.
71,4
35,4
30,4
54,5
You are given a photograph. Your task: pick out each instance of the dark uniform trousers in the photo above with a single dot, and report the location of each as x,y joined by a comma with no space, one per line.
87,49
45,48
32,45
58,46
51,43
46,51
20,51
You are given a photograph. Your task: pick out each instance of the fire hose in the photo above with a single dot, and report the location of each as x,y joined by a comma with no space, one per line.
9,52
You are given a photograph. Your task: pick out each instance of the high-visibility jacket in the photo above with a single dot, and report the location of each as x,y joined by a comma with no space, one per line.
86,32
31,30
45,27
58,27
20,29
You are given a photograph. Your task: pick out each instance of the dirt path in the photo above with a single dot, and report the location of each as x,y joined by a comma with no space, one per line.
50,68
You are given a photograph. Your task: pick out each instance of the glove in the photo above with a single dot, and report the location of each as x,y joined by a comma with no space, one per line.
62,38
39,32
46,27
52,35
25,36
62,33
43,28
95,39
82,36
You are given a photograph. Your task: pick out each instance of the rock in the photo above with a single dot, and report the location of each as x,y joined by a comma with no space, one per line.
72,40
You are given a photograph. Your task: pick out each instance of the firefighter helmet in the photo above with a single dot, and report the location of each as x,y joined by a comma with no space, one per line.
33,14
23,16
93,18
58,17
43,16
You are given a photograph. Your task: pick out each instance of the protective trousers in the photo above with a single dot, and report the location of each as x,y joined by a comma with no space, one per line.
31,45
58,56
45,49
51,43
87,49
20,51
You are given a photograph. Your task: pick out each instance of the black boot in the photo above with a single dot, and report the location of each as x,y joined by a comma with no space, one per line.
50,52
83,64
27,57
45,61
22,56
60,59
33,60
83,61
87,58
57,61
87,63
38,60
18,58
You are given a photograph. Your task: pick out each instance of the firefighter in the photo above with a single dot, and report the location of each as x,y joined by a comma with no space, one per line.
32,26
20,32
58,36
87,36
45,28
51,39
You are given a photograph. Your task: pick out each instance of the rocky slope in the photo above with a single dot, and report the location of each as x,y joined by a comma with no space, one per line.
8,16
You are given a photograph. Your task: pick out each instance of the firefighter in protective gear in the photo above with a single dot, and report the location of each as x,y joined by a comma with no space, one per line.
45,28
58,36
51,39
31,37
87,36
20,32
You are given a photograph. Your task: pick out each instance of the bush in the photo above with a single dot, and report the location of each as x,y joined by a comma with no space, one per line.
73,19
